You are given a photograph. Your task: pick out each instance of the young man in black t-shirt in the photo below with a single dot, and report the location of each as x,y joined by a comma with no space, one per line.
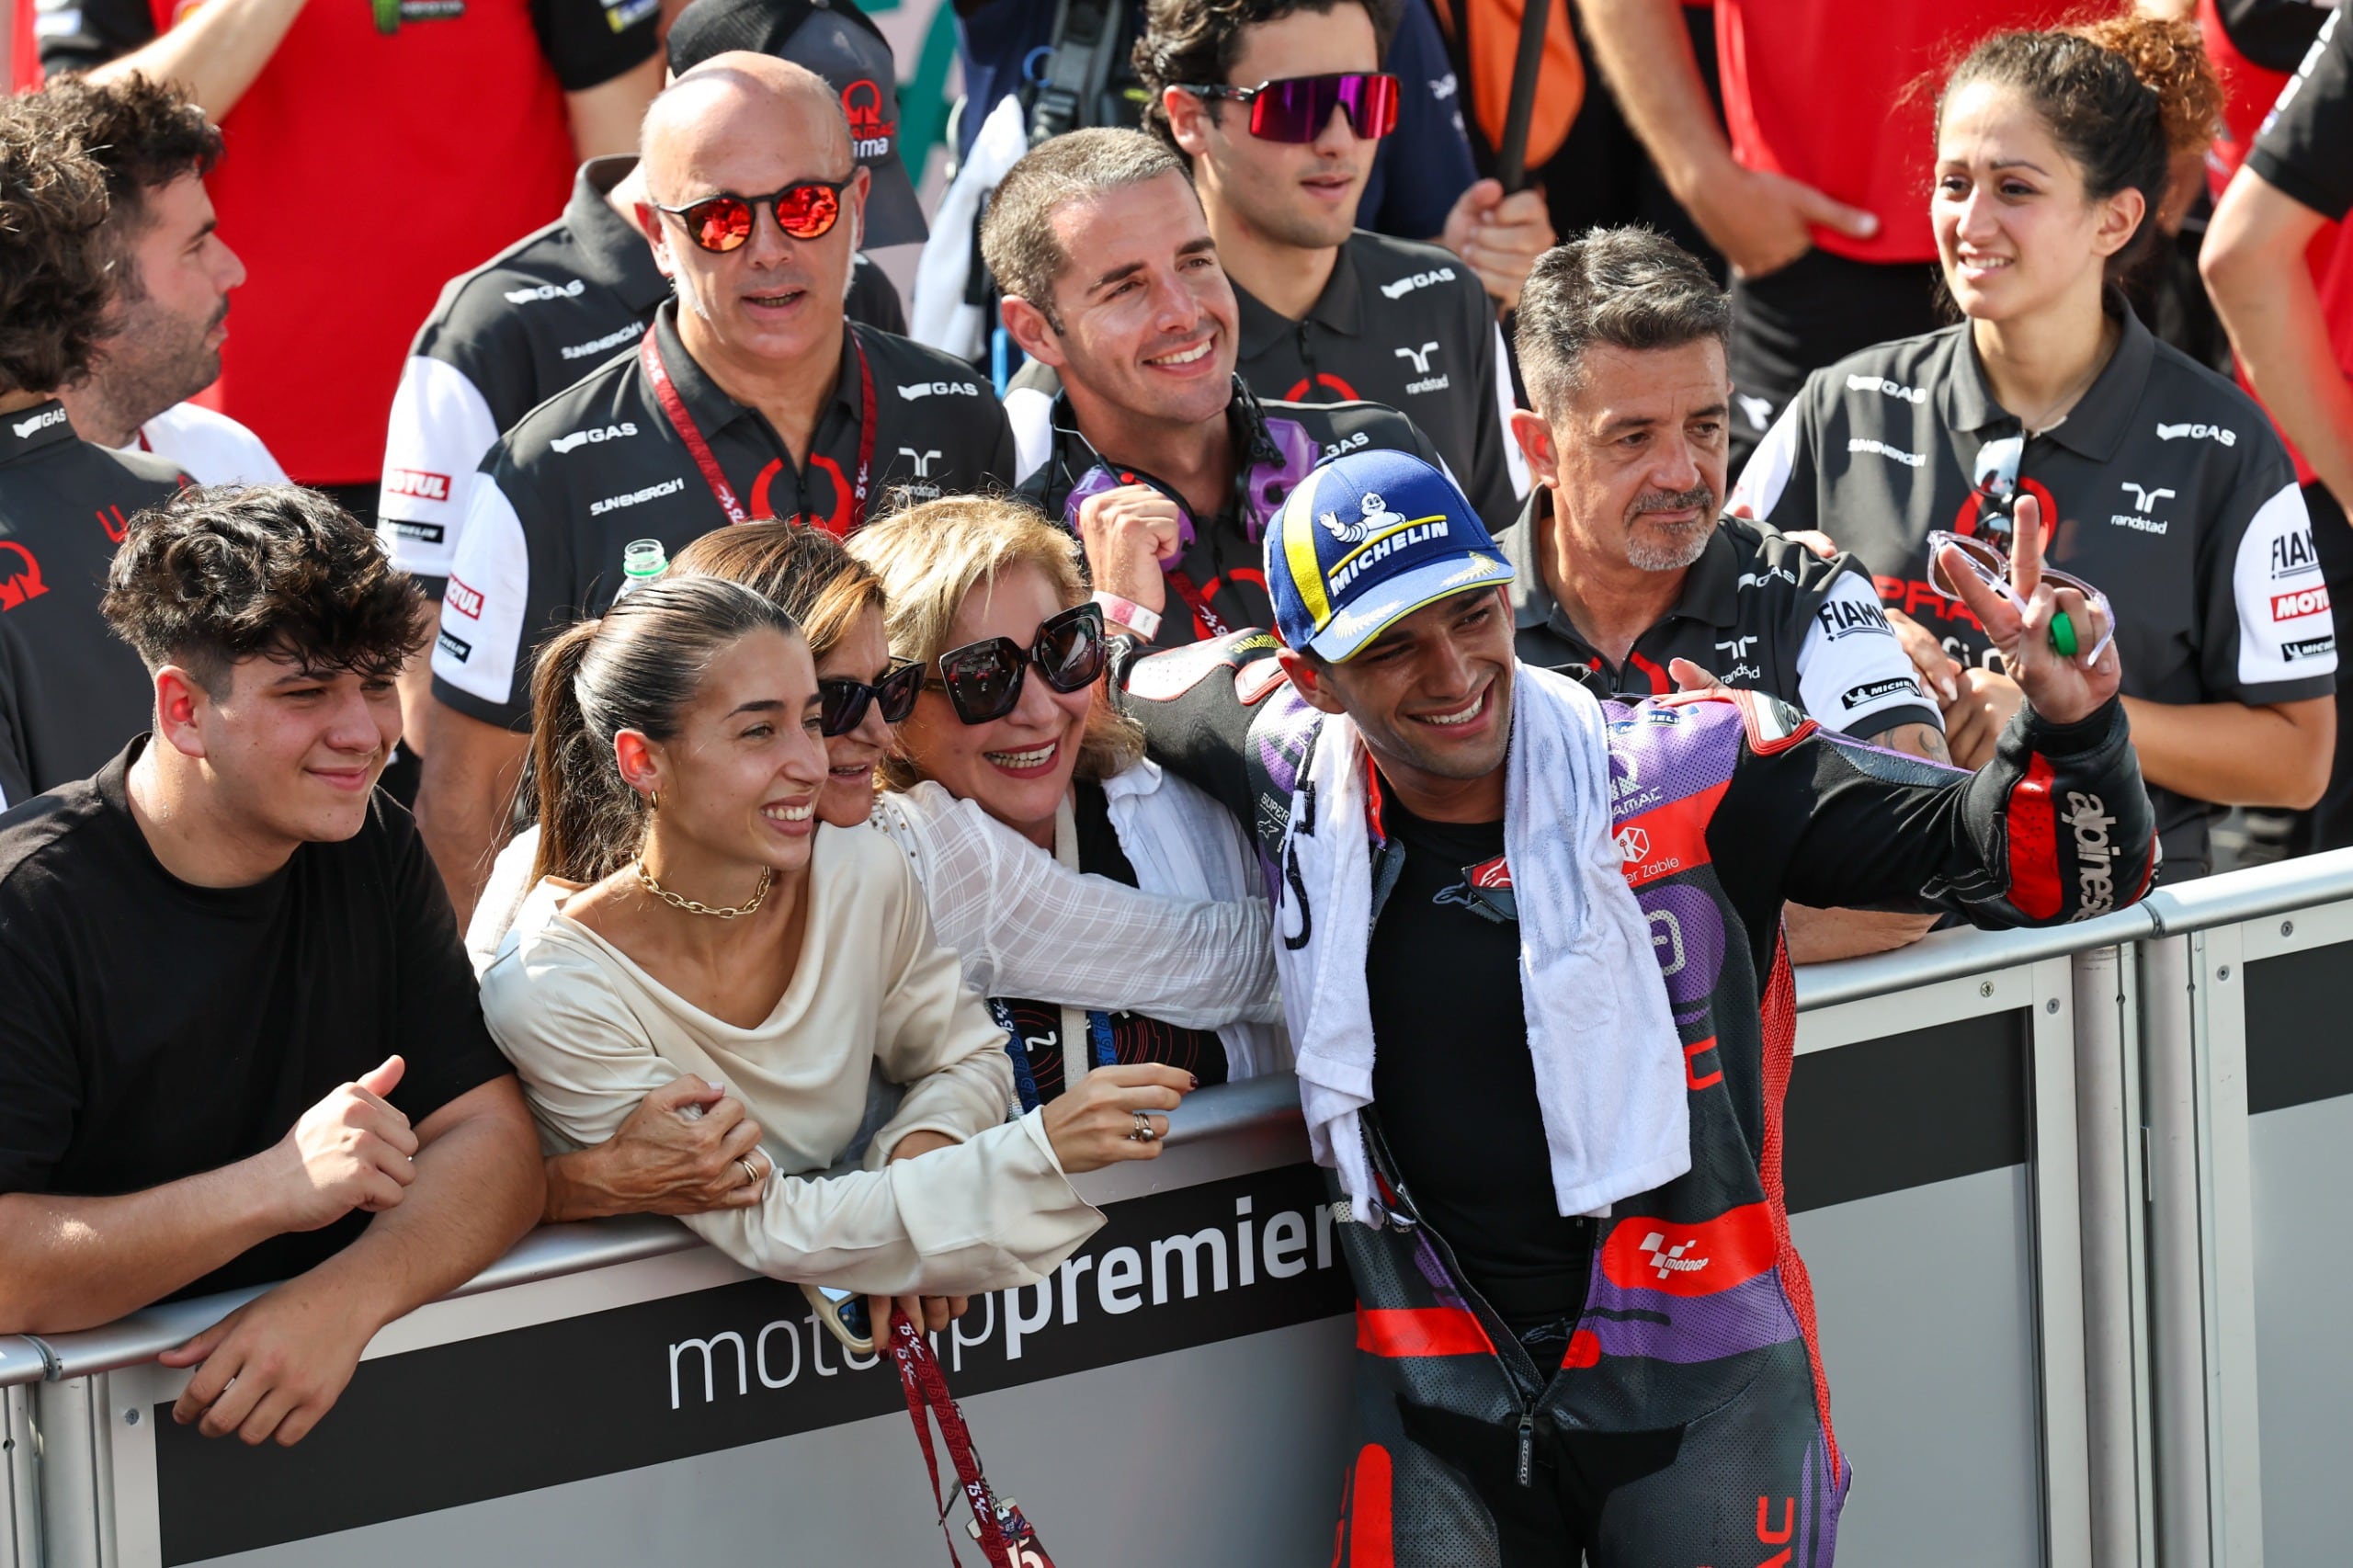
244,1042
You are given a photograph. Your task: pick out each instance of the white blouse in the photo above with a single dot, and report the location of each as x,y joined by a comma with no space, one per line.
1022,924
592,1034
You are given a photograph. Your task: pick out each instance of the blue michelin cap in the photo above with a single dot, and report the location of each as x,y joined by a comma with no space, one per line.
1366,540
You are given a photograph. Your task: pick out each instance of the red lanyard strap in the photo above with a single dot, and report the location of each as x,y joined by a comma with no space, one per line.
1206,623
682,420
926,1389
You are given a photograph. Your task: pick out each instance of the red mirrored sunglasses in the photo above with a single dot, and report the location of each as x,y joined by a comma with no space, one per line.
1297,108
807,211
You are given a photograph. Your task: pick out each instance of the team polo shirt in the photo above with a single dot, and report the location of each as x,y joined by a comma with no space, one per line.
1408,326
2167,487
383,148
1225,560
1755,611
65,504
600,464
1823,91
513,333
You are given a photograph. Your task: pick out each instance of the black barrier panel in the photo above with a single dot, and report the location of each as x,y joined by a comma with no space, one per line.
743,1363
2296,1008
1906,1109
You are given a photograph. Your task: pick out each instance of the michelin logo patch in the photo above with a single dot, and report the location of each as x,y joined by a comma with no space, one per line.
1864,696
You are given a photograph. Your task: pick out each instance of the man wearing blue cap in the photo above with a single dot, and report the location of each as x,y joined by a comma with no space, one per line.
1582,1327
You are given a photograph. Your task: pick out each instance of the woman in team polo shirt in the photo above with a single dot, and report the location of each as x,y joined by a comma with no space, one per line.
2157,481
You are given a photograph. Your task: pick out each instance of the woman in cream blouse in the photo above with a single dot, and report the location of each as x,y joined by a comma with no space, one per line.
714,930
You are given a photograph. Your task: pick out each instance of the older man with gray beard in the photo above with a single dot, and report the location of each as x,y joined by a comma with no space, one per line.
1623,564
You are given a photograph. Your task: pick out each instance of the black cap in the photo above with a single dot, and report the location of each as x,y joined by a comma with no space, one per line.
841,43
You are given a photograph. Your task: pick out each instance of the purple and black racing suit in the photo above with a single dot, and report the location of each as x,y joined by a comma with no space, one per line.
1682,1418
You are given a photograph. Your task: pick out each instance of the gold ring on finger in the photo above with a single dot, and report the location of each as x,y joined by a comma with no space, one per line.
751,1171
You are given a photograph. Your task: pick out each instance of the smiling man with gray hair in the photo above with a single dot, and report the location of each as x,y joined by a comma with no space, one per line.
1622,563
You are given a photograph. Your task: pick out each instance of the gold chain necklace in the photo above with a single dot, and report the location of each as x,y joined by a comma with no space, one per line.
768,874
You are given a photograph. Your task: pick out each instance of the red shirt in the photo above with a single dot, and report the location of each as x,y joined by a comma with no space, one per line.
363,172
1812,90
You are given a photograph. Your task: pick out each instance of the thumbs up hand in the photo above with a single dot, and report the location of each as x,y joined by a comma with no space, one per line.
350,1150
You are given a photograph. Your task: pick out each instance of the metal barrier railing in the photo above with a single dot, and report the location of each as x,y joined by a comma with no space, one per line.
2142,1231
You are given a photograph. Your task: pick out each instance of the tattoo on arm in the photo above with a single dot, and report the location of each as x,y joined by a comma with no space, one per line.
1918,740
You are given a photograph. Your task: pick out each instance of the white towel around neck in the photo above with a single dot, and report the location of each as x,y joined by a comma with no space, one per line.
1609,1073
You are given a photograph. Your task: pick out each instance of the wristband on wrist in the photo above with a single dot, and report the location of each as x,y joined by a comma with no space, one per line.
1143,623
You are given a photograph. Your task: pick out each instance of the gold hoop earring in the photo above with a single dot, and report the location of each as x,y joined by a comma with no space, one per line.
654,801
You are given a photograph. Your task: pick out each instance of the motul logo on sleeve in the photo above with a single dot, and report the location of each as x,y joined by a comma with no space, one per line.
418,483
466,601
2289,607
2095,855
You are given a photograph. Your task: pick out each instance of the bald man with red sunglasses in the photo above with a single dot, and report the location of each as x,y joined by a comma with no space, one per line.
750,397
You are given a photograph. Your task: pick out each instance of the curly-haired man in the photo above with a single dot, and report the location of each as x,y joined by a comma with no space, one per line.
170,273
245,1044
70,694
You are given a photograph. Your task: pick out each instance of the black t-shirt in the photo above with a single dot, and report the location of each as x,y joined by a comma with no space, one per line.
513,333
1135,1038
2306,148
1453,1077
157,1030
65,504
600,464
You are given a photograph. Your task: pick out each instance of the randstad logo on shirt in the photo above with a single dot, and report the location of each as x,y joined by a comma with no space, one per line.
24,428
571,290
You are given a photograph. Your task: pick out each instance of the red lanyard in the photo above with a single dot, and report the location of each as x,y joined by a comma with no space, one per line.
1205,619
926,1391
665,391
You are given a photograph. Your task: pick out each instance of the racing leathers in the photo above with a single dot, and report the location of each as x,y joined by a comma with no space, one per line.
1680,1416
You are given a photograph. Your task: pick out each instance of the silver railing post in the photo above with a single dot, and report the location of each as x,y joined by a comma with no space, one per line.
19,1481
2116,1368
2177,1315
76,1473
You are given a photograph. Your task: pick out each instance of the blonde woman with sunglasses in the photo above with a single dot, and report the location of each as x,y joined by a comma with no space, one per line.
1014,718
